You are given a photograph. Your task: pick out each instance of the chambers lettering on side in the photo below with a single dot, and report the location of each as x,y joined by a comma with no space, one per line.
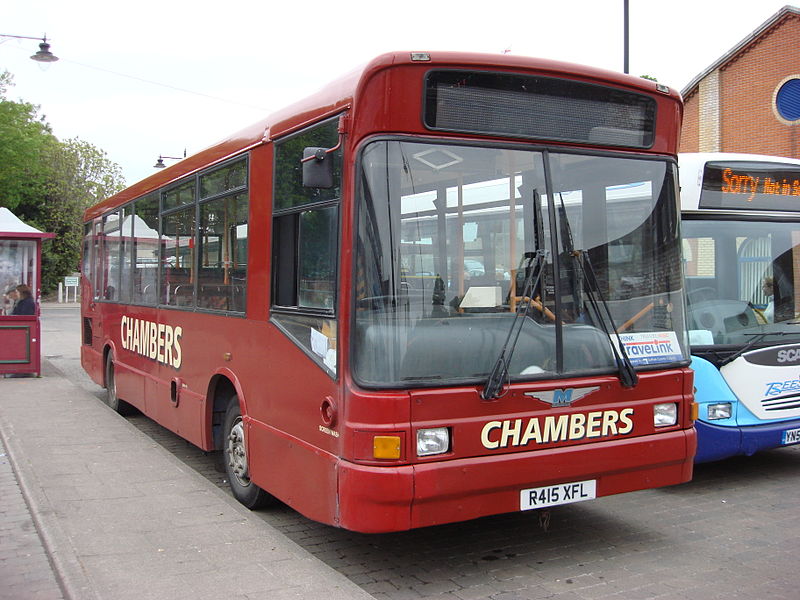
156,341
551,429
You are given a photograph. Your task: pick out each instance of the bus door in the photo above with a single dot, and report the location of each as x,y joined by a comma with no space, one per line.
91,286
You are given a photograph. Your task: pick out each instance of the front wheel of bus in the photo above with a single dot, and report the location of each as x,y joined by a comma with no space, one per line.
234,455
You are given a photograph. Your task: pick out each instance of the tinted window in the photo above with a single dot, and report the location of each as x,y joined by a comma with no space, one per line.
223,253
145,250
305,246
289,190
177,258
111,256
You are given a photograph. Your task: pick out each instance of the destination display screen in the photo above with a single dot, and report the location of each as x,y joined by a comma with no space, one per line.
533,106
751,186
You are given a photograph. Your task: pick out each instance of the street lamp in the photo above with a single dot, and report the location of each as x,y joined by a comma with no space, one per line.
160,162
43,55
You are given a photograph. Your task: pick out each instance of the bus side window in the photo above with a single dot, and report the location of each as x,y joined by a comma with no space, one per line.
146,248
111,257
222,239
178,247
305,248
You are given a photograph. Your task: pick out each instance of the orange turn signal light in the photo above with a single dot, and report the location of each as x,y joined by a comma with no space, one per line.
386,446
695,411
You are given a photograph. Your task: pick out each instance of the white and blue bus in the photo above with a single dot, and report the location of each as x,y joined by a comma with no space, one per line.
741,244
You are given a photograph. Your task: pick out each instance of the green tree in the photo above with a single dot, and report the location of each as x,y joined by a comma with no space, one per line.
24,139
80,175
48,183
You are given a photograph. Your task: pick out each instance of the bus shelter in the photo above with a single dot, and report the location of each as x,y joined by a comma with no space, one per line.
20,283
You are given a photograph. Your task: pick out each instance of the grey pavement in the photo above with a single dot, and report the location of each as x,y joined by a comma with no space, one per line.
25,569
94,509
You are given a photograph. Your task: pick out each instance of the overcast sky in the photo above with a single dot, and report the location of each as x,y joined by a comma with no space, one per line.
139,79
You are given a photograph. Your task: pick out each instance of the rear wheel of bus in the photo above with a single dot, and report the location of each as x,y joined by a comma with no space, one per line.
114,401
234,456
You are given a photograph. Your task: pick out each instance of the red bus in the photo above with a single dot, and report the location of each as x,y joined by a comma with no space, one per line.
446,286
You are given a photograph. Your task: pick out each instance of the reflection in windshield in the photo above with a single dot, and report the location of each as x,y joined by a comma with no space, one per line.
444,238
741,281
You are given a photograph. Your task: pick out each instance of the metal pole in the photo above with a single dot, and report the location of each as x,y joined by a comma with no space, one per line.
625,35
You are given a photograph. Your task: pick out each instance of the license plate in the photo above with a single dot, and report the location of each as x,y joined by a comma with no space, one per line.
791,436
562,493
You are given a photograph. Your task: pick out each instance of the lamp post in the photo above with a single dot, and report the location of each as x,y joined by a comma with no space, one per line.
626,42
43,55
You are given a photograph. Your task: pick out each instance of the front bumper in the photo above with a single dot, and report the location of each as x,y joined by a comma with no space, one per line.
379,499
715,442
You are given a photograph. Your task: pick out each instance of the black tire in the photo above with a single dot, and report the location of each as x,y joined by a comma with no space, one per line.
234,459
114,401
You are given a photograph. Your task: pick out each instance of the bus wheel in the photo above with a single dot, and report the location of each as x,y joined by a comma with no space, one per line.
112,399
234,456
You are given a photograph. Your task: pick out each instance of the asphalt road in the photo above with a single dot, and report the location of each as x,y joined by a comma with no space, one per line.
733,532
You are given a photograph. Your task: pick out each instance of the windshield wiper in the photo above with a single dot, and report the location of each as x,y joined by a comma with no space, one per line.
532,262
627,373
757,337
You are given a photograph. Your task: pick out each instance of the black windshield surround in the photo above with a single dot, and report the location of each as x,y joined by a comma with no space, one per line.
442,228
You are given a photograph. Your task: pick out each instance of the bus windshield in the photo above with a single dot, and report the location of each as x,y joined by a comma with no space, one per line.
445,246
741,280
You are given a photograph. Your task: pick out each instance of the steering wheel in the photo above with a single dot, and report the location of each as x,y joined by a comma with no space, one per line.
537,304
701,294
635,318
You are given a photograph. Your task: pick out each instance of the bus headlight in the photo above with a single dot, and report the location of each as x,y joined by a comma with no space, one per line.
433,441
721,410
665,414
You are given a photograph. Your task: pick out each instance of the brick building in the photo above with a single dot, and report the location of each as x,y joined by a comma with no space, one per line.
749,99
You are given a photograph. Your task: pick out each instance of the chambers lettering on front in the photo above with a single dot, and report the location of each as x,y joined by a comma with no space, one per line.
157,341
551,429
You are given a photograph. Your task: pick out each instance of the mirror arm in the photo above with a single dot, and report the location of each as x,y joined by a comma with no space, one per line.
320,153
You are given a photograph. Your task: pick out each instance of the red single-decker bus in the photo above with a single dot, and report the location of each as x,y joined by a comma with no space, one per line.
446,286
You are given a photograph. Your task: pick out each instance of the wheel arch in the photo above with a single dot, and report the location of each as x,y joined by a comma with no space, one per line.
222,386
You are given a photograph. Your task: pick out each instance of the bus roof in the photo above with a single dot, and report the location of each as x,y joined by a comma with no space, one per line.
343,93
692,164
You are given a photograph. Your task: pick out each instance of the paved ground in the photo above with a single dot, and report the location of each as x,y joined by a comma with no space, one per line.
119,518
25,570
733,532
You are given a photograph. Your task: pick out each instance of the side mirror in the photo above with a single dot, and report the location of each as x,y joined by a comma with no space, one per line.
317,168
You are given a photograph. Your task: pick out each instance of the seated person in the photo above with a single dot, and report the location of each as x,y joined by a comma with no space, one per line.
767,288
25,304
